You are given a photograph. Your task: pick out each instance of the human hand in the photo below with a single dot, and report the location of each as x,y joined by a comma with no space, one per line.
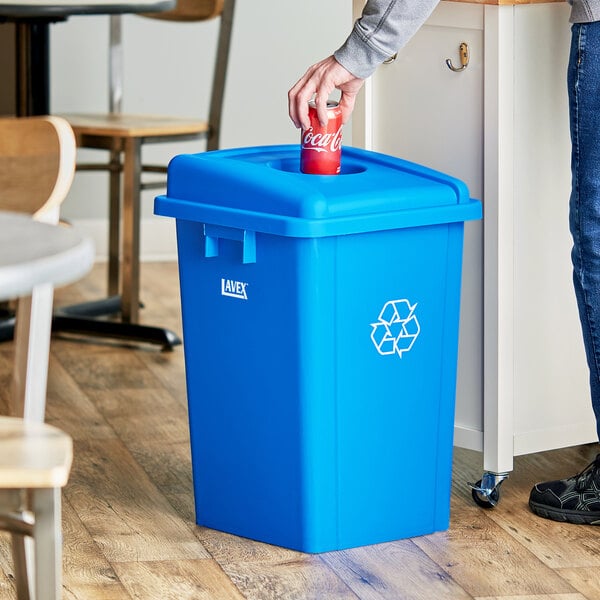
320,80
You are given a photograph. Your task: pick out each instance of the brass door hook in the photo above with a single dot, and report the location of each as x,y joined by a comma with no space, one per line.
463,51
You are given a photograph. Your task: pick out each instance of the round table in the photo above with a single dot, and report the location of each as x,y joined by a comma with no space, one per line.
32,18
35,257
34,253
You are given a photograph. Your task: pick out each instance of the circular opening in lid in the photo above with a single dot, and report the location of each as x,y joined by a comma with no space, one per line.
292,165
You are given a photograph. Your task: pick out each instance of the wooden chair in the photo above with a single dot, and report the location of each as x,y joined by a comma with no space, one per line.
37,163
124,136
35,460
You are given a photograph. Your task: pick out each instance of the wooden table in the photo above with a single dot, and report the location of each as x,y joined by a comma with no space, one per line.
32,19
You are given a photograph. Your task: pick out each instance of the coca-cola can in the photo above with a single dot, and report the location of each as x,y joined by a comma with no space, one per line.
322,146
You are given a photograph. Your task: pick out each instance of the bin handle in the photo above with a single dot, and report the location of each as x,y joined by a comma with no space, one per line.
213,233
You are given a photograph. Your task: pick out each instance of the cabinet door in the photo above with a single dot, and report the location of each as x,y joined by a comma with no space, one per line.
550,388
417,108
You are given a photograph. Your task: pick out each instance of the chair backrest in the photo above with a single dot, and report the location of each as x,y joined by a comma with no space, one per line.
191,10
185,10
37,165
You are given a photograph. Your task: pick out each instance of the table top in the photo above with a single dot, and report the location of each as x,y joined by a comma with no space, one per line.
33,253
65,8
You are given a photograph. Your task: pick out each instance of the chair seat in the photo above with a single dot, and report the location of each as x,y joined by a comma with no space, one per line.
33,455
133,126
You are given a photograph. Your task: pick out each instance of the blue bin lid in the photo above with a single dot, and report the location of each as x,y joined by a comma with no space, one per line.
262,189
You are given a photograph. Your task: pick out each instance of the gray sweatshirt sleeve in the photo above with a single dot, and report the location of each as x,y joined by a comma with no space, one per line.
384,27
585,11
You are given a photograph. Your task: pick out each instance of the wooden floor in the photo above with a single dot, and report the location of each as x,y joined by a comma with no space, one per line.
129,528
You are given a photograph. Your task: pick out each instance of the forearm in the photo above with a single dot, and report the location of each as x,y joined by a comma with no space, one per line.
384,27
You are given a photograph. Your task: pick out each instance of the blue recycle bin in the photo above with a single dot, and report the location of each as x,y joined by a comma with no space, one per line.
320,324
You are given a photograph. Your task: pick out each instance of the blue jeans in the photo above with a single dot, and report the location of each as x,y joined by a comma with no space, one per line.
584,217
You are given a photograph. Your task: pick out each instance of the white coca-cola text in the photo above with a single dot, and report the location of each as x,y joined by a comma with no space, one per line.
321,142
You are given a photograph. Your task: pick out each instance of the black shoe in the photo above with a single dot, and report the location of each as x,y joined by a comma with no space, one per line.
572,500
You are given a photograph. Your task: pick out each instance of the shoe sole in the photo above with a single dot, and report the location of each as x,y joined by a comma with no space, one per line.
576,517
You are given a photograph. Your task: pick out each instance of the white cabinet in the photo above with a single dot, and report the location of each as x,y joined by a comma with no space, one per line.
501,125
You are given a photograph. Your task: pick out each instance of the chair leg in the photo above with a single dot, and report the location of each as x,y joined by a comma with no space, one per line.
47,533
19,521
114,232
132,166
20,561
32,342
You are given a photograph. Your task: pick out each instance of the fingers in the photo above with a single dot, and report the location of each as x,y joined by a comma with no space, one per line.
298,106
346,104
321,106
299,96
319,81
315,82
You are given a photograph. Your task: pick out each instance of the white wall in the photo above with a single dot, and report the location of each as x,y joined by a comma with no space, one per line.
166,65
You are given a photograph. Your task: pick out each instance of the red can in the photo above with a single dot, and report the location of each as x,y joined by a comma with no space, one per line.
322,146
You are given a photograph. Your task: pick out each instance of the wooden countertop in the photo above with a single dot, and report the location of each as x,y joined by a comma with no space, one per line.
504,2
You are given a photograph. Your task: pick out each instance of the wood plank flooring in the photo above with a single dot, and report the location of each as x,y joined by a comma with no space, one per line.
129,530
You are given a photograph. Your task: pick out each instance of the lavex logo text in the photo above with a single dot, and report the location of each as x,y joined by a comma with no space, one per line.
234,289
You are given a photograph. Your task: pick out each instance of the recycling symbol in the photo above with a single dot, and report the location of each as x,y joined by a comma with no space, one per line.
396,329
